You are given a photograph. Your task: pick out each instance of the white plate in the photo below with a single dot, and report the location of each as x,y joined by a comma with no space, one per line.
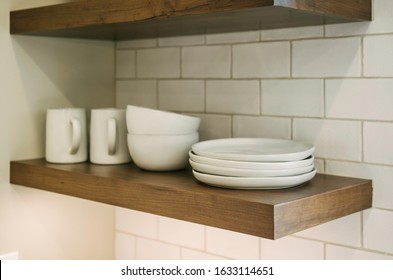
253,182
252,165
235,172
253,149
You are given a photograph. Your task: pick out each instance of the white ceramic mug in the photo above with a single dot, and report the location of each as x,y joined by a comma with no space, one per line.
66,135
108,136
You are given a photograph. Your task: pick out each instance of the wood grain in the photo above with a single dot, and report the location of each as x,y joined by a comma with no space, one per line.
265,213
120,20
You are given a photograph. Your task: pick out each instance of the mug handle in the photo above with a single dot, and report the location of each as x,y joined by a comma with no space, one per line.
112,132
76,136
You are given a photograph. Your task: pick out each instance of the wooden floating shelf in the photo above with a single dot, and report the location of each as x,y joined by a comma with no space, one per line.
120,20
265,213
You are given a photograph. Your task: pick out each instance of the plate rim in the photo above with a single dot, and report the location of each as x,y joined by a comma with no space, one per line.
201,148
272,165
242,172
202,178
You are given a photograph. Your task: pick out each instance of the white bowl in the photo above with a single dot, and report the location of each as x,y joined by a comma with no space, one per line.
161,152
141,120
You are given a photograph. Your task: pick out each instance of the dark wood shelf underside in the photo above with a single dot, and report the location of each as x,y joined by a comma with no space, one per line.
121,20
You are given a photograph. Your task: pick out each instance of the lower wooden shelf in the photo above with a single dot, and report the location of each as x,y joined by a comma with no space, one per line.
265,213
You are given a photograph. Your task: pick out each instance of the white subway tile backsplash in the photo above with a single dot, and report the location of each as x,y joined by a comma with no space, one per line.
378,230
189,254
269,127
327,58
319,165
137,43
158,63
359,99
292,97
136,222
125,246
125,64
136,92
231,244
378,142
214,126
233,97
291,248
181,233
292,33
181,40
181,95
232,37
332,138
334,252
382,177
155,250
378,56
206,62
344,231
261,60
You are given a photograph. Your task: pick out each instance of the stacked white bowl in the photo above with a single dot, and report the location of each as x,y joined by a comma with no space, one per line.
160,140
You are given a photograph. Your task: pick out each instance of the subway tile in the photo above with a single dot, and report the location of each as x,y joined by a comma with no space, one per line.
269,127
302,98
333,139
181,233
261,60
206,62
319,165
382,22
334,252
382,177
136,92
232,37
378,56
378,230
125,64
291,248
158,63
181,40
214,126
125,246
344,231
370,99
155,250
231,244
181,95
327,58
378,142
137,43
233,97
292,33
347,29
136,222
189,254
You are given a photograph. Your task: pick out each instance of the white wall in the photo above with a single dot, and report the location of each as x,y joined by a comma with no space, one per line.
330,85
37,73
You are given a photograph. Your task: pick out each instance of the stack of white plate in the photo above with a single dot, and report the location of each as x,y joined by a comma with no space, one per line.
252,163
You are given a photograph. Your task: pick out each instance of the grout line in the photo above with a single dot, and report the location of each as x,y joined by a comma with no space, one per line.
324,99
362,141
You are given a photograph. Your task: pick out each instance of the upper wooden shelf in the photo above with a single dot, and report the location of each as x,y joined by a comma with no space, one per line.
265,213
120,20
